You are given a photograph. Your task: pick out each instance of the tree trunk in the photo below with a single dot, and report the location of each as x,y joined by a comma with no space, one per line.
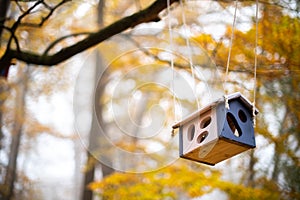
11,172
88,177
276,163
3,96
95,133
251,171
3,11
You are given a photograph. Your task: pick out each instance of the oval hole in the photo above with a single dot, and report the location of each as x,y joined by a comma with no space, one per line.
236,130
242,116
191,132
202,137
205,122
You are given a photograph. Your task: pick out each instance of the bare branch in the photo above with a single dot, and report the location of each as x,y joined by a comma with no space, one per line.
19,6
17,23
13,36
63,38
147,15
44,19
3,10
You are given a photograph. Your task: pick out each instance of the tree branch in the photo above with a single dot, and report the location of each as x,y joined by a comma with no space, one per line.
147,15
44,19
17,23
61,39
12,37
3,10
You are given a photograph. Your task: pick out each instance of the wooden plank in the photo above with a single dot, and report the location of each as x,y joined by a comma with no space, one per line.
221,151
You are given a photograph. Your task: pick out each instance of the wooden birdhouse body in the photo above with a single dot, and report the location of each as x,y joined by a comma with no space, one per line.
216,133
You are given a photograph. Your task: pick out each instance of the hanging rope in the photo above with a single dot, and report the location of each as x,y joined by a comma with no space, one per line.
172,60
189,49
229,54
255,64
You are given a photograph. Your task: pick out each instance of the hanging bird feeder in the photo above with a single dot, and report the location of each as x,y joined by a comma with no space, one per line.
216,133
224,128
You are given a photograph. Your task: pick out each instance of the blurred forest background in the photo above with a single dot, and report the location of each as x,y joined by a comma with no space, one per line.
98,125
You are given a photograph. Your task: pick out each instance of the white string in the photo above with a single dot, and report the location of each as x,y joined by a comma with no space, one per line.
229,54
255,64
187,38
187,41
172,60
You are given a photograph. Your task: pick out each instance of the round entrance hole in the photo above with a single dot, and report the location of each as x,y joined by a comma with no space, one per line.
242,116
202,137
205,122
191,132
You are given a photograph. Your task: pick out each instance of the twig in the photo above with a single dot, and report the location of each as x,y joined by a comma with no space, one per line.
61,39
17,23
44,19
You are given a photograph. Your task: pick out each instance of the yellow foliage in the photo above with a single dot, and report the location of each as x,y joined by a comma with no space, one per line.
173,182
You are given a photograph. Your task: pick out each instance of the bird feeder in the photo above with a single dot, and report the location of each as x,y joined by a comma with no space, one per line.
216,132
